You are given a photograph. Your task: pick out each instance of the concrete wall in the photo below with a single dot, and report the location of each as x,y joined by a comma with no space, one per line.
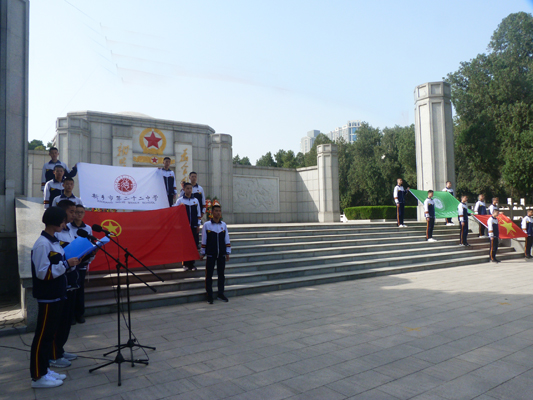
270,195
36,160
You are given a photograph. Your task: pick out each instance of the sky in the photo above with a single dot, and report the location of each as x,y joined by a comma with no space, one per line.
265,72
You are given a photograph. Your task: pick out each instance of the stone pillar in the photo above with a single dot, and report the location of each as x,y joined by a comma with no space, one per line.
435,163
328,183
14,45
220,169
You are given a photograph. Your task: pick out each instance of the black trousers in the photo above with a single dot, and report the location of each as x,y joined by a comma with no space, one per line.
79,301
463,234
48,318
448,221
170,200
399,213
430,224
529,244
63,328
209,269
493,247
195,236
481,230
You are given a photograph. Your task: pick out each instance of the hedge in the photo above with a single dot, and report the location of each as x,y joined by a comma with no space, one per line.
378,212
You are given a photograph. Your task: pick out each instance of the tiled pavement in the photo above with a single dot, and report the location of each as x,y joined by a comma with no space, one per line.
456,333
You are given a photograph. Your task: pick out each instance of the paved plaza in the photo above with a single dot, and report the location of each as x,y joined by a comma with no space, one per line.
456,333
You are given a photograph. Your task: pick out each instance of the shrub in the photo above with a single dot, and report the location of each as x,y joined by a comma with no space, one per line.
378,212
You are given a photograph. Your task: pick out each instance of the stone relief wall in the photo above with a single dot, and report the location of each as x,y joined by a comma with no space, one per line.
255,194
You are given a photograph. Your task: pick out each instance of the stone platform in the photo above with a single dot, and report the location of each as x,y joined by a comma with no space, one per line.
455,333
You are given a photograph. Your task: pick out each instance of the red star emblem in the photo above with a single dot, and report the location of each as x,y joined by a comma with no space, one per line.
154,160
152,140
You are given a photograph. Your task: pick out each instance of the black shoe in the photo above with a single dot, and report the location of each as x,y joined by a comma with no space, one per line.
468,245
193,268
528,256
223,298
73,322
209,299
80,320
496,260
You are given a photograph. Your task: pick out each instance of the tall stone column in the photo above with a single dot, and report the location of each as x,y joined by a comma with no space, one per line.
14,45
435,162
328,183
221,172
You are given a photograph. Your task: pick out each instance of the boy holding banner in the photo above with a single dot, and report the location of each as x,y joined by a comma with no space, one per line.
527,227
429,212
449,189
494,234
481,209
462,210
195,218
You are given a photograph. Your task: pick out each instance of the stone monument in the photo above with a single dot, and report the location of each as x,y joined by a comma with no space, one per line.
14,41
435,163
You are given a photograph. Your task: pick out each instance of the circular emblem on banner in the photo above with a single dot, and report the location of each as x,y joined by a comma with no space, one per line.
152,141
125,184
112,226
438,203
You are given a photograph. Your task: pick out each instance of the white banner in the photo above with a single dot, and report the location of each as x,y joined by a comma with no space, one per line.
124,188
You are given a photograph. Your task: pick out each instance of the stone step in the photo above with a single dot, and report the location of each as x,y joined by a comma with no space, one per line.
282,259
174,280
318,232
339,241
108,305
249,241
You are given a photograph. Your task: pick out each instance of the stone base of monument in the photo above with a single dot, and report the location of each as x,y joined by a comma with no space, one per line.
270,257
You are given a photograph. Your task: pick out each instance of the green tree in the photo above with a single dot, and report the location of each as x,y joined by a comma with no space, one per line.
493,98
36,143
266,161
241,161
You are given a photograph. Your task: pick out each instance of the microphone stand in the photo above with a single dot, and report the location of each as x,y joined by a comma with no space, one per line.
131,343
119,358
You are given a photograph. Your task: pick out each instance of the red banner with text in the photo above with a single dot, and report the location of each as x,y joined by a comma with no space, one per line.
155,237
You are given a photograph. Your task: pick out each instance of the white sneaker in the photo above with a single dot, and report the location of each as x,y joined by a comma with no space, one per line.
46,381
55,375
69,356
432,240
60,363
449,224
403,226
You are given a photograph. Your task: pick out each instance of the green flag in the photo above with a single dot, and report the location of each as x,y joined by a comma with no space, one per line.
445,204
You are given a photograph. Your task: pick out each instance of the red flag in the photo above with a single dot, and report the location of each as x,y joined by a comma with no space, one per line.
508,229
155,237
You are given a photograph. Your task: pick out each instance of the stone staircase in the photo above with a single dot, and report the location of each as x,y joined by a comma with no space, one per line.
275,257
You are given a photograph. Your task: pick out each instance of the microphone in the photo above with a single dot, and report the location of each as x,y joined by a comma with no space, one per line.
84,234
98,228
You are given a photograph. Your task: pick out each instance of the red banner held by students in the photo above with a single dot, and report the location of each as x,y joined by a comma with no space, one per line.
155,237
507,228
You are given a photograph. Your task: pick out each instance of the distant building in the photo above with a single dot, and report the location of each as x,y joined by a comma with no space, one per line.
347,132
307,141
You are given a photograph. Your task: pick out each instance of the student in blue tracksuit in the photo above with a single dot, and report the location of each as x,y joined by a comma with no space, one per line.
527,227
399,199
462,210
494,234
429,213
48,267
194,214
216,246
481,209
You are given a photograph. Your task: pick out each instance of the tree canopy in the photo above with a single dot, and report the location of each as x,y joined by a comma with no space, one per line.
493,98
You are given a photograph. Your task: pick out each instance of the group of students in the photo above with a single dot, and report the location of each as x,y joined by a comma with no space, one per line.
58,283
215,237
480,208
